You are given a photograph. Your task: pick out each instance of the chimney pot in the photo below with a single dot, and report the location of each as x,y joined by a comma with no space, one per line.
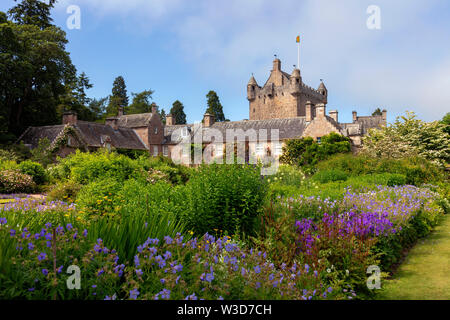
170,120
208,120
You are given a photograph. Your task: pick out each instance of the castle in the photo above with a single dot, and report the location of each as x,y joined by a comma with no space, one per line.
284,103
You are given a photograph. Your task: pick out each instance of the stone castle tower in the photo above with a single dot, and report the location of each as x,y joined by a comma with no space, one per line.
283,95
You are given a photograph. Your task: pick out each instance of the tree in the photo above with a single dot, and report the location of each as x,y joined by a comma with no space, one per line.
36,71
141,102
409,136
377,112
446,122
306,152
162,115
214,106
177,112
33,12
119,97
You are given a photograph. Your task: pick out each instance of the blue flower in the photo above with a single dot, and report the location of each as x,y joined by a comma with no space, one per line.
257,269
59,269
85,232
139,272
3,221
69,226
134,294
30,246
44,272
42,256
12,232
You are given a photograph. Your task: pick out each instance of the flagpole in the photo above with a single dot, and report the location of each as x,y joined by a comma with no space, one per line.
298,55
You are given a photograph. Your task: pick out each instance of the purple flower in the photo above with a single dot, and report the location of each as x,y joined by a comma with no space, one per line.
42,256
139,272
30,246
257,269
3,221
134,294
12,232
44,272
85,233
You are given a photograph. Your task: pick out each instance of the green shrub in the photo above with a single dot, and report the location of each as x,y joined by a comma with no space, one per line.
64,191
307,152
330,175
13,181
35,170
97,198
86,167
224,197
396,180
416,170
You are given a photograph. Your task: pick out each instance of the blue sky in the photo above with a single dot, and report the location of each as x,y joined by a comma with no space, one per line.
183,49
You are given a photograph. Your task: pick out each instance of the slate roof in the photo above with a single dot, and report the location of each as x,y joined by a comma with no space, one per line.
134,120
91,133
288,128
123,138
32,135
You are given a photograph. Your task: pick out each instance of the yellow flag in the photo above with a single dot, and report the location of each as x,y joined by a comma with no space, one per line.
298,39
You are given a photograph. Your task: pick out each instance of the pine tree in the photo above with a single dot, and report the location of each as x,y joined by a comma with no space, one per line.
215,107
162,115
177,112
141,102
33,12
118,98
377,112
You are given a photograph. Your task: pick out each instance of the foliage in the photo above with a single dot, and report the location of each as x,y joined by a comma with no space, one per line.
409,136
330,175
416,170
13,181
118,98
42,152
306,152
35,68
224,197
214,106
177,112
141,102
35,170
64,191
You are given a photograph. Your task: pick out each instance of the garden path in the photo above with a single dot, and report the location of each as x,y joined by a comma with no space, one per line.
425,273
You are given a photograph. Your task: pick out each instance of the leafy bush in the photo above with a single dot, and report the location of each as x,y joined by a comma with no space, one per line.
97,198
330,175
224,197
407,137
86,167
35,170
64,191
13,181
396,180
307,152
416,170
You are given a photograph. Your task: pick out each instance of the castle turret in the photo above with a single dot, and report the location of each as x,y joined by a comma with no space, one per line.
251,89
323,91
296,80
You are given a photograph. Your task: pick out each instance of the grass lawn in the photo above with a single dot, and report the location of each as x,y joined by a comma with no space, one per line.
425,274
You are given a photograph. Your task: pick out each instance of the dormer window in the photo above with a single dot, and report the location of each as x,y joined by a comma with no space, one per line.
185,132
156,130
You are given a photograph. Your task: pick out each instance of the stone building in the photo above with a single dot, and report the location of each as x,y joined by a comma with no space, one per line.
284,103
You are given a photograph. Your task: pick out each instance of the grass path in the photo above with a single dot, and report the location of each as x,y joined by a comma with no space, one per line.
425,273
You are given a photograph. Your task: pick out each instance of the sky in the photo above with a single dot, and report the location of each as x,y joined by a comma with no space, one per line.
183,49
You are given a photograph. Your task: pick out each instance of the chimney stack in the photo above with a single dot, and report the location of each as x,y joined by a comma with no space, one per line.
355,116
170,120
208,120
112,122
334,115
70,117
320,110
277,64
309,111
384,117
154,108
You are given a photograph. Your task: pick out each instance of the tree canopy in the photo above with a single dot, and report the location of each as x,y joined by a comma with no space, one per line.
214,106
177,112
118,98
141,102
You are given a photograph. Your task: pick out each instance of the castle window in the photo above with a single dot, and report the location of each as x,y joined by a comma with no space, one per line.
319,139
165,151
155,151
156,130
254,110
